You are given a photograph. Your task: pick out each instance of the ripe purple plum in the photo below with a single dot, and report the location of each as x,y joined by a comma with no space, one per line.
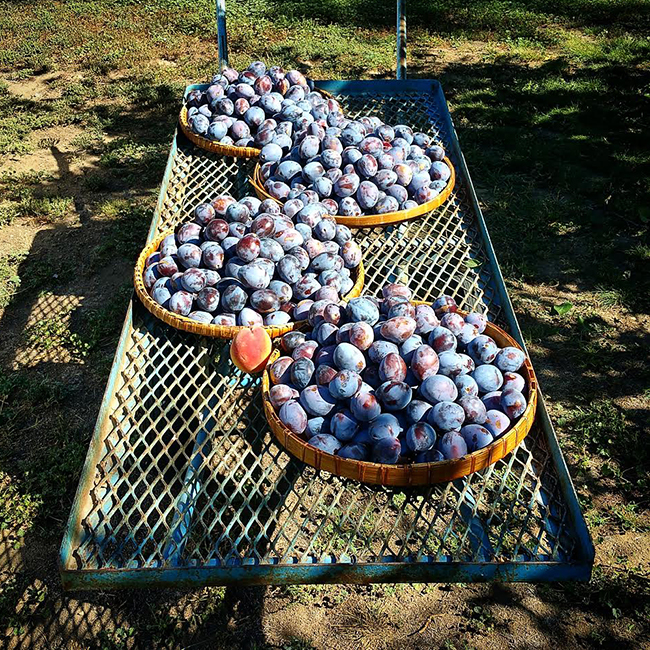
291,340
513,380
346,185
181,303
386,451
386,205
345,384
384,426
394,395
280,394
442,340
474,409
161,294
482,349
344,425
190,255
408,348
379,349
254,276
301,372
439,171
316,400
416,411
451,364
354,451
363,310
280,370
212,256
424,362
325,442
453,322
306,349
233,298
332,314
392,367
264,301
438,388
364,406
496,422
346,356
351,254
488,378
467,333
398,329
477,319
476,437
444,304
466,385
513,403
401,309
492,400
361,335
420,437
325,333
509,359
324,374
446,416
208,299
425,319
216,230
452,445
193,280
248,317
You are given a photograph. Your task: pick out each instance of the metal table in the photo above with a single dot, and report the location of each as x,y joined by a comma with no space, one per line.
184,485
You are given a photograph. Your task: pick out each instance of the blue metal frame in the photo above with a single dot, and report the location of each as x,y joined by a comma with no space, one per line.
338,569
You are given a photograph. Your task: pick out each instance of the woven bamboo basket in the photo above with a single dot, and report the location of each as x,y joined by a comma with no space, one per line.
216,147
412,474
372,219
215,331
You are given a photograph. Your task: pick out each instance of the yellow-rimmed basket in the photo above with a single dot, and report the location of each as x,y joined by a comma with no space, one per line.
366,220
215,331
223,149
215,147
412,474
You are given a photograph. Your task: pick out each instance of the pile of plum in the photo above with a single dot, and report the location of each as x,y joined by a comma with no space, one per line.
248,263
255,107
391,382
358,166
307,144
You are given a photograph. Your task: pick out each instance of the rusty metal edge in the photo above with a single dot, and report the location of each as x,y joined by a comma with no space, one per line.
335,572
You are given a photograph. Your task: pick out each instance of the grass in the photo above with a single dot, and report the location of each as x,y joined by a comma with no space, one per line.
550,100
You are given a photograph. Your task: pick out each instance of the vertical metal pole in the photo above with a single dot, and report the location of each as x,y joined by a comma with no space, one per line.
401,40
222,39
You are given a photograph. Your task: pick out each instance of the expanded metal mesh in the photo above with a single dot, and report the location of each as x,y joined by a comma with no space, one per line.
188,473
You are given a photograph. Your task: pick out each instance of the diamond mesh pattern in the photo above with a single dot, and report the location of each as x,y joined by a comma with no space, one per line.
188,474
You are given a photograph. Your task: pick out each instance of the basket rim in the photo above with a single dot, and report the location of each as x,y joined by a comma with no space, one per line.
364,221
407,474
215,331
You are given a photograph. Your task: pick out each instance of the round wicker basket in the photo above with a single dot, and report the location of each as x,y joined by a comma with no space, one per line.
369,220
411,474
216,331
216,147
